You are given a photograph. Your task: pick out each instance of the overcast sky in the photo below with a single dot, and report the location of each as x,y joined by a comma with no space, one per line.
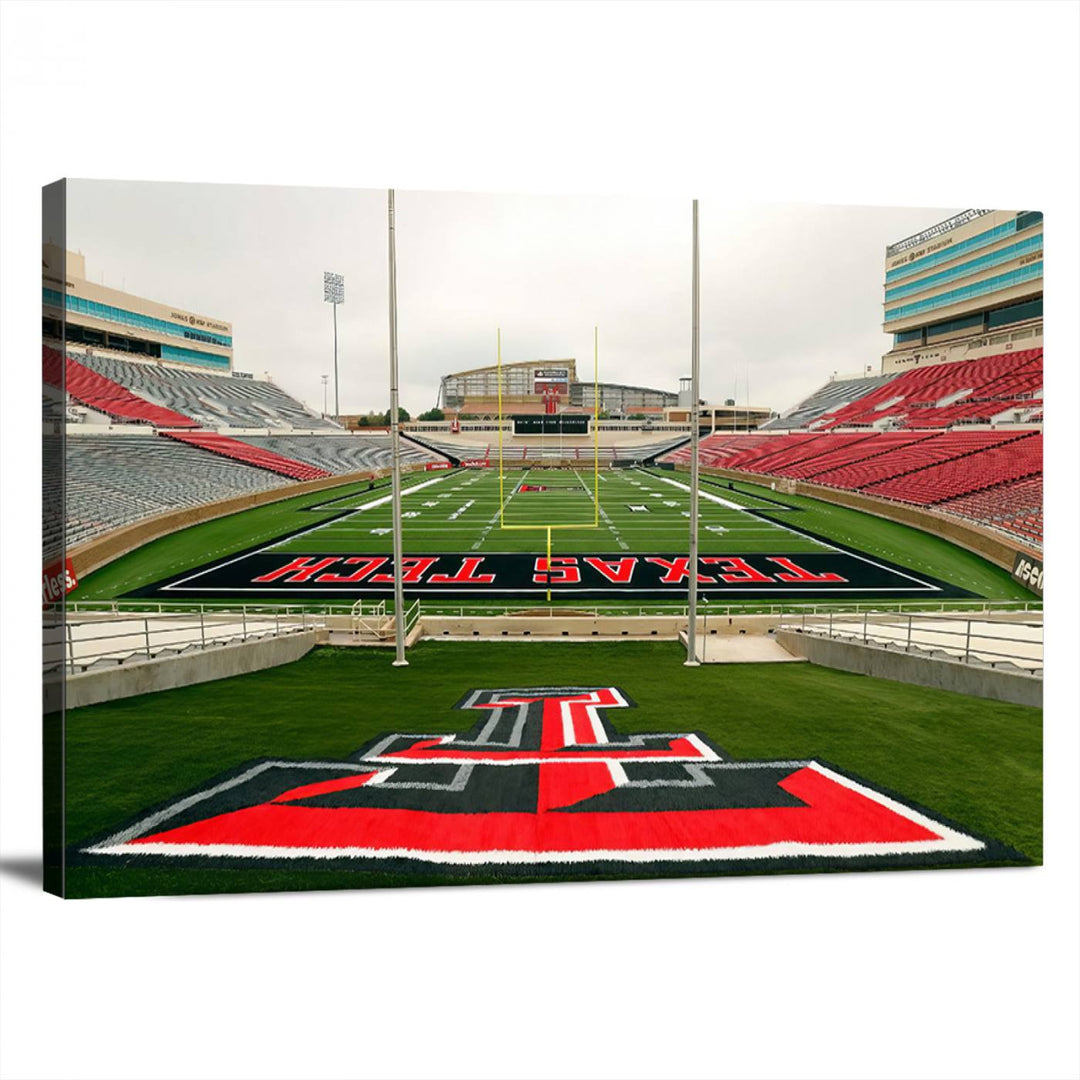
789,293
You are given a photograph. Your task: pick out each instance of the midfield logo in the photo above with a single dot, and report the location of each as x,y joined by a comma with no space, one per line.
544,781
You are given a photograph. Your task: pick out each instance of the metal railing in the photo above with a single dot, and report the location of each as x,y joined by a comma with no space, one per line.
935,230
963,637
495,608
80,644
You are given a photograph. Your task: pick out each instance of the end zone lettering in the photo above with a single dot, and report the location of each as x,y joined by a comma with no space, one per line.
267,572
559,570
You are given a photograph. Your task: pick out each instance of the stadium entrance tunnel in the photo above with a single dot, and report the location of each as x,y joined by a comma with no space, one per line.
260,574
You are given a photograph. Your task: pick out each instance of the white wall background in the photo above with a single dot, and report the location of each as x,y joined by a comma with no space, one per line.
962,974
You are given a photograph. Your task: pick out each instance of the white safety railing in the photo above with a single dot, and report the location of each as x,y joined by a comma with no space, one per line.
80,644
496,608
963,637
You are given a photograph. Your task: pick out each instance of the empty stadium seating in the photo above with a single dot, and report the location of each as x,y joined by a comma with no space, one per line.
1000,378
114,480
342,453
210,400
252,455
101,393
993,477
844,450
832,395
985,467
1015,506
906,458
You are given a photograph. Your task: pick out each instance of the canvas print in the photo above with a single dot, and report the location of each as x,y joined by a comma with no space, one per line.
399,538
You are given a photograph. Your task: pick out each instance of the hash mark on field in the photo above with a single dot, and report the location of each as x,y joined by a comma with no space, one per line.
615,532
491,524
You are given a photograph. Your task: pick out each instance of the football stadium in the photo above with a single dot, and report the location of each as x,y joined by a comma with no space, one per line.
701,637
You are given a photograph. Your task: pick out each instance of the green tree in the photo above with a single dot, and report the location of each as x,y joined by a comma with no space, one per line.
432,414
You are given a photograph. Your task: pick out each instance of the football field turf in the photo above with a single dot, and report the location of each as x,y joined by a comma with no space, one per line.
968,760
630,522
639,511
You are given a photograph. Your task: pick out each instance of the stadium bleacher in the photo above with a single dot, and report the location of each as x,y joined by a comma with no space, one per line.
1015,506
1016,458
832,396
98,392
994,477
210,400
342,453
1001,378
114,480
251,455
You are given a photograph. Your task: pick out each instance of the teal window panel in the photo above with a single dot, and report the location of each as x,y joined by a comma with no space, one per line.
979,288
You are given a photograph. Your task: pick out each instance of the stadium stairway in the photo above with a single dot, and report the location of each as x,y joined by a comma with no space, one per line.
250,455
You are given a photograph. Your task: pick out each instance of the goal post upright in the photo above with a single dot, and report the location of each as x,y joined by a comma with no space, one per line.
548,527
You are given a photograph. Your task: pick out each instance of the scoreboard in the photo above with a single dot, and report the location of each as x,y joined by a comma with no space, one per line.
561,424
555,379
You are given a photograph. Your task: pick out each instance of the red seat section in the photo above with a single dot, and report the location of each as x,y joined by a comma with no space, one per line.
996,382
98,392
251,455
849,449
908,457
1015,506
1014,459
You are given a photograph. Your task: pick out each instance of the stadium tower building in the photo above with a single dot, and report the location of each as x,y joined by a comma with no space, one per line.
106,318
967,287
544,386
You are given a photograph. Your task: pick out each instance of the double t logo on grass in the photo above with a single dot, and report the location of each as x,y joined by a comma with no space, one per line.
543,782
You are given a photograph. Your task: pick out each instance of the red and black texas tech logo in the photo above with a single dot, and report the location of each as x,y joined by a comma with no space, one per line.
543,783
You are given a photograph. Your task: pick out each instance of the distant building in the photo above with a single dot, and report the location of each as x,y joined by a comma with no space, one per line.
543,386
721,417
967,287
100,316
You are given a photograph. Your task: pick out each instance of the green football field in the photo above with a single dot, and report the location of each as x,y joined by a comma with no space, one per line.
615,510
973,761
474,511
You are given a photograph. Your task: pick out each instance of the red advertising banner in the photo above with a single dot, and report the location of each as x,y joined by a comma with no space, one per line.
57,579
432,466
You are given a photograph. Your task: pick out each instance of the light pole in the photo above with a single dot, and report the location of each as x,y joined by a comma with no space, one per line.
695,435
334,293
325,380
395,444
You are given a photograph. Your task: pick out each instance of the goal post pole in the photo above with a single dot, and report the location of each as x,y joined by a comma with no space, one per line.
548,564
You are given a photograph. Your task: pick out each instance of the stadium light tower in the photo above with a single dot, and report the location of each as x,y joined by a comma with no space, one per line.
325,380
334,293
695,394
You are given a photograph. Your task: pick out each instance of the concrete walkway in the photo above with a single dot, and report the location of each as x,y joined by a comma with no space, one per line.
741,649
